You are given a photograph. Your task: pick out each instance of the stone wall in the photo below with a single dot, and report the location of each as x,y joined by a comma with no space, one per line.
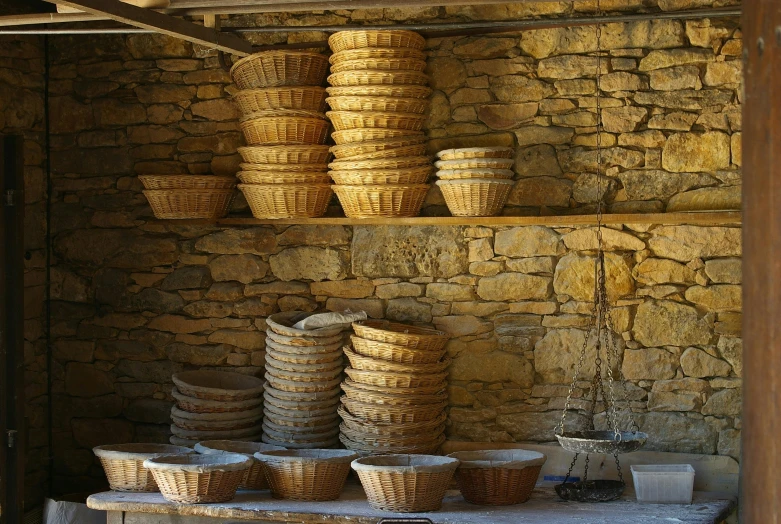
135,300
22,113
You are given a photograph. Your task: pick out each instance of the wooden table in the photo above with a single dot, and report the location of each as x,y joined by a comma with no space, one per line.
544,506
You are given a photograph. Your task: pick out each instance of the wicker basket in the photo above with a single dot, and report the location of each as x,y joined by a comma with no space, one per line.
199,405
285,130
298,412
379,64
325,396
307,351
124,464
391,441
466,174
411,170
373,38
301,367
326,444
414,337
285,154
369,447
293,386
309,98
284,168
342,120
210,426
250,433
390,414
371,77
276,113
218,385
428,390
396,380
269,177
360,425
282,323
376,52
386,146
255,477
306,359
287,200
199,479
390,200
498,478
371,134
280,68
400,398
376,364
478,197
189,203
377,103
405,483
251,413
187,181
314,422
302,435
392,91
395,353
381,163
476,152
476,163
304,377
398,177
303,340
312,475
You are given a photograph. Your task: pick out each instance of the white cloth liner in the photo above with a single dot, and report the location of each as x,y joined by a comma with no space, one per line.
240,447
334,456
406,463
499,458
137,451
199,463
320,320
282,323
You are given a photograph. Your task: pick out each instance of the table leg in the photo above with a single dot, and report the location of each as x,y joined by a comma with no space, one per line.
115,517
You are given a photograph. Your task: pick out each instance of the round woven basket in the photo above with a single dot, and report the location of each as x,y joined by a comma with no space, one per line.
297,359
466,174
476,152
380,429
396,380
234,434
391,443
309,98
475,163
280,68
383,176
291,154
420,170
301,411
199,405
285,130
376,364
276,113
395,90
274,418
377,103
305,351
189,203
303,340
400,146
301,376
256,413
312,475
375,53
287,200
124,464
370,134
218,385
187,181
301,434
382,163
291,177
400,398
498,477
379,64
375,38
429,390
330,443
477,197
372,77
328,395
303,367
284,168
343,120
405,483
208,426
367,447
294,386
415,337
282,323
390,414
199,479
391,200
395,353
255,477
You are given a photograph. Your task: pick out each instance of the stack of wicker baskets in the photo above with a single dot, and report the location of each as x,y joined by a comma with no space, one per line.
476,181
395,395
303,370
282,103
189,196
378,99
215,405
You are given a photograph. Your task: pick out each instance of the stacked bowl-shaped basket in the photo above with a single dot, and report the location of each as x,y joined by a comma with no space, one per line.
216,405
303,372
394,398
189,196
476,181
284,174
378,101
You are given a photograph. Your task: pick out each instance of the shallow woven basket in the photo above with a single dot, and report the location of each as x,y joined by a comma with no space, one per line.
395,90
308,376
303,367
287,200
379,64
369,440
301,414
379,429
304,351
375,38
275,418
372,77
292,154
187,181
414,337
124,464
370,119
477,197
476,152
189,203
371,445
199,479
396,380
284,168
309,98
293,386
386,146
303,340
234,434
390,414
255,477
285,130
280,68
405,483
475,163
282,323
377,103
498,478
326,444
428,390
301,434
199,405
466,174
425,169
330,394
370,134
306,359
214,425
276,113
256,413
376,364
312,475
376,52
395,353
392,200
391,176
218,385
400,398
270,177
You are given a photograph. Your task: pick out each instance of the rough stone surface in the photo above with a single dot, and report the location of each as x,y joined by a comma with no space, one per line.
691,152
309,263
574,276
527,241
666,323
513,286
697,363
649,364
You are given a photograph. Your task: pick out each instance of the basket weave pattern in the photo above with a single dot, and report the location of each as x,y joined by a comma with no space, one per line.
497,486
280,68
405,492
389,200
386,38
198,488
476,197
309,98
189,203
128,475
287,201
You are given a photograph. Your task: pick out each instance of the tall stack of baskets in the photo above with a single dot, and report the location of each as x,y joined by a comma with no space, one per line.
476,181
378,99
395,397
189,196
284,174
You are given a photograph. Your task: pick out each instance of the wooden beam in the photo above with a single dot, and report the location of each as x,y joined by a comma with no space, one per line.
761,500
161,23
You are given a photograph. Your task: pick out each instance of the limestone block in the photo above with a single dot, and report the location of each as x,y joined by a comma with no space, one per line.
495,366
574,277
343,288
649,364
309,263
718,297
667,323
693,152
697,363
242,268
685,243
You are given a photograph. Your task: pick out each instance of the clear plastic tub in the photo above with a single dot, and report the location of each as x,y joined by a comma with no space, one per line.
664,484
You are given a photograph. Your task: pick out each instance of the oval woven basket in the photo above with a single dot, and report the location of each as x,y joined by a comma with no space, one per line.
429,390
293,386
303,340
280,68
370,134
371,77
391,414
199,479
285,130
303,413
390,430
477,197
379,64
313,421
187,181
218,385
395,353
476,163
313,475
291,177
376,52
372,447
287,200
375,364
278,113
304,368
305,351
375,38
189,203
199,405
303,377
396,90
124,464
476,152
255,477
232,434
466,174
330,443
368,201
282,323
401,398
377,103
388,146
214,425
392,442
417,165
397,380
327,395
343,120
256,412
291,154
310,98
284,168
390,176
415,337
308,359
297,434
301,408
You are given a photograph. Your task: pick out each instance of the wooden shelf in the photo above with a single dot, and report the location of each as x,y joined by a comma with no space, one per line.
704,218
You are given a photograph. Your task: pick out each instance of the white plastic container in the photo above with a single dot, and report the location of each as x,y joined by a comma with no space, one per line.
664,483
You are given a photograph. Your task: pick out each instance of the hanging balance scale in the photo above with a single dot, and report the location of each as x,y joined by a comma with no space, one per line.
587,439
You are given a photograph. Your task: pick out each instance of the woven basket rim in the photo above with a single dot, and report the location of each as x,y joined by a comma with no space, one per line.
281,52
377,114
406,464
228,416
473,181
252,117
188,191
308,456
148,176
277,89
245,404
241,447
137,450
398,327
499,458
196,463
283,321
411,51
411,34
234,384
335,77
459,150
379,187
450,164
500,173
307,396
294,187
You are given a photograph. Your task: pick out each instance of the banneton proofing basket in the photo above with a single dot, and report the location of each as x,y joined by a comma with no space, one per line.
124,464
316,474
199,479
255,477
218,385
282,323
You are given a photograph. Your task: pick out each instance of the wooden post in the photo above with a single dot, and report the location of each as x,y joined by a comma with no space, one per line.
761,488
